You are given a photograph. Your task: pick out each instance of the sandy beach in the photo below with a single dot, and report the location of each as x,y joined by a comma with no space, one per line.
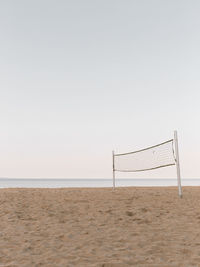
99,227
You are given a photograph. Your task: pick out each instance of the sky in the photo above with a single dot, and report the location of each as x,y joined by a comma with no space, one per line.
79,79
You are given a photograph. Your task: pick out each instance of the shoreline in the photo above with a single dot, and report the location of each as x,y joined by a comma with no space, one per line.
92,183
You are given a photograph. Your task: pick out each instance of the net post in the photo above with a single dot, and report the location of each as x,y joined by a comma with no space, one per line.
113,168
177,164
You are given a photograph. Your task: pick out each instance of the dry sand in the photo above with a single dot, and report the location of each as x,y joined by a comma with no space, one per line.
98,227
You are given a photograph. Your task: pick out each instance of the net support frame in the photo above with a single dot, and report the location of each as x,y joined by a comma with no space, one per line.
176,158
113,165
177,164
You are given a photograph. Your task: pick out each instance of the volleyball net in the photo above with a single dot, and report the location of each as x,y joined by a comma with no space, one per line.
154,157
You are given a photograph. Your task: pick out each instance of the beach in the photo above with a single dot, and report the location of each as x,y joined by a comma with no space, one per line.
131,226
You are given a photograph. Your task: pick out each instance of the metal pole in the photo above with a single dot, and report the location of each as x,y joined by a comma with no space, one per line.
113,161
177,164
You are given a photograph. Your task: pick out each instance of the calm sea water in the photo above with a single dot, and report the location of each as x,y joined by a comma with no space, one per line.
61,182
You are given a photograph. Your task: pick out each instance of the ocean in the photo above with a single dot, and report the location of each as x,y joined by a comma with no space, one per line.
62,182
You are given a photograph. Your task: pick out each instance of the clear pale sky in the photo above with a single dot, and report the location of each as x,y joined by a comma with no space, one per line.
81,78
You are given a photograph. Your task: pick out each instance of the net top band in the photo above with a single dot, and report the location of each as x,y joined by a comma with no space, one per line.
122,154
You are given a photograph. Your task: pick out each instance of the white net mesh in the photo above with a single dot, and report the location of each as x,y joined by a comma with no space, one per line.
150,158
